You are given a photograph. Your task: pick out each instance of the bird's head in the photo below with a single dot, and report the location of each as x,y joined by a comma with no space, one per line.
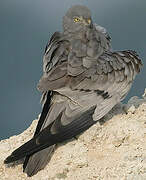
77,19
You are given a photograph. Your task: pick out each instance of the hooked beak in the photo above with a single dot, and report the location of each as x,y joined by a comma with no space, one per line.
88,22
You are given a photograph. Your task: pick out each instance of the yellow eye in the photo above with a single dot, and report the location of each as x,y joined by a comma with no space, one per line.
76,19
89,21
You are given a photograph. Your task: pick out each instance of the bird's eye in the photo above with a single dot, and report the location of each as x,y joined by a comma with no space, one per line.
76,19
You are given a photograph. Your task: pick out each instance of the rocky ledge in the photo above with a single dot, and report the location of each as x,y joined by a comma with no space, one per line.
114,148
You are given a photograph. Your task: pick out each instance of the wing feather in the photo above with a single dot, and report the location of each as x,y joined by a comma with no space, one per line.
54,64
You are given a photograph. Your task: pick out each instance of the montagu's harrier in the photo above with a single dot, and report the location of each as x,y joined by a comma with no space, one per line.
83,79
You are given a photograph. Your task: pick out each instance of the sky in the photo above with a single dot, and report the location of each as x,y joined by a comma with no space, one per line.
25,28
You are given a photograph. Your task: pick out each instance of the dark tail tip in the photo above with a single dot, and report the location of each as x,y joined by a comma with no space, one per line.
9,159
6,161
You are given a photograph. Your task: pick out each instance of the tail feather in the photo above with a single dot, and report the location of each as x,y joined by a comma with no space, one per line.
45,138
26,149
38,161
46,107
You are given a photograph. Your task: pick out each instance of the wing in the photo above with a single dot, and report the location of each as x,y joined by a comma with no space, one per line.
54,64
103,37
111,76
109,70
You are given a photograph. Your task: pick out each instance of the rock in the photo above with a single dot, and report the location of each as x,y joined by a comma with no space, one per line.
114,148
144,95
129,108
134,103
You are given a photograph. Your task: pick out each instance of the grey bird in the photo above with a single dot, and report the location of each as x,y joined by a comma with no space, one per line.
83,79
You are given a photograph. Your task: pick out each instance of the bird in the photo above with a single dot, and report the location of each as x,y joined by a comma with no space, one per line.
83,79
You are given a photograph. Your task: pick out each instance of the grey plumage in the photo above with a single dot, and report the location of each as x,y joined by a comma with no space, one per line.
83,79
